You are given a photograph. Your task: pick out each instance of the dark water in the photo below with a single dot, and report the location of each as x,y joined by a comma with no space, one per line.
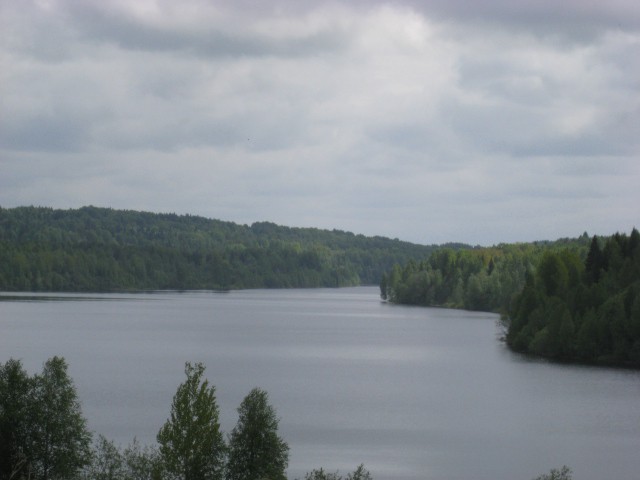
412,393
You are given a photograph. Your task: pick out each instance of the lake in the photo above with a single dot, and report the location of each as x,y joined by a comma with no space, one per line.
413,393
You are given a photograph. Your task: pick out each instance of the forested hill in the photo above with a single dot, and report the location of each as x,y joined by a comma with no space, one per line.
569,300
101,249
486,279
585,310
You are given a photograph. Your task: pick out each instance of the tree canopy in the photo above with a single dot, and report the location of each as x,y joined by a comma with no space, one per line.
43,435
65,453
569,300
486,279
100,249
359,473
583,311
255,448
191,444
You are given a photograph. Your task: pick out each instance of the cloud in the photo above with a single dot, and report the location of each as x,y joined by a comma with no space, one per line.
570,21
428,121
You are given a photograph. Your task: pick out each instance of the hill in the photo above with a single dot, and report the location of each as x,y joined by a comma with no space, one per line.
486,279
582,310
102,249
574,300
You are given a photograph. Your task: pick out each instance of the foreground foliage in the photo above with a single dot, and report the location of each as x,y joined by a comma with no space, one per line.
99,249
564,473
43,435
135,462
359,473
255,449
34,447
191,444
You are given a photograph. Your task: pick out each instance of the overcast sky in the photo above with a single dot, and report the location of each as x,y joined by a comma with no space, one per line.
433,121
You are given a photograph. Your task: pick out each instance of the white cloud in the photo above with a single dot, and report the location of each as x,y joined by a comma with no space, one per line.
433,124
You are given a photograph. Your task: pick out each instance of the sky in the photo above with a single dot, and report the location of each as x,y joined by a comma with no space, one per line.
429,121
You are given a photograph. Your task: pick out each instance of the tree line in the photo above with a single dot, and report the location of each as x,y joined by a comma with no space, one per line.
486,279
44,436
101,249
570,300
587,311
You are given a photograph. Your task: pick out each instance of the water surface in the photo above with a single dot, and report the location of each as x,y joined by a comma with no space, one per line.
413,393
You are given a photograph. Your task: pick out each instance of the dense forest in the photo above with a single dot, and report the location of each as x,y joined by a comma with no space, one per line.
588,310
101,249
570,300
486,279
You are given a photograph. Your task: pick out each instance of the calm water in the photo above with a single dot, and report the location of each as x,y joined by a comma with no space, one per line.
413,393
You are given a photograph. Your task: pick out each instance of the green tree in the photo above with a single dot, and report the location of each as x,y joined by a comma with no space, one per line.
359,473
320,474
106,462
255,449
552,274
15,398
594,262
141,463
96,249
61,442
44,435
191,444
563,473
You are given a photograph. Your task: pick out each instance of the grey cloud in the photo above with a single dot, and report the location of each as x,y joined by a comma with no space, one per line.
44,134
100,23
407,136
427,121
494,127
585,145
568,20
173,134
497,77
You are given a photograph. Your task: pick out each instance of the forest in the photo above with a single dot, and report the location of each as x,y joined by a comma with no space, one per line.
587,311
101,249
572,300
485,279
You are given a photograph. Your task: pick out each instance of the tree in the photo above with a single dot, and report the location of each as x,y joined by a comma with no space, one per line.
255,449
42,431
594,262
552,274
320,474
191,444
563,473
60,439
15,391
141,463
106,463
359,473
